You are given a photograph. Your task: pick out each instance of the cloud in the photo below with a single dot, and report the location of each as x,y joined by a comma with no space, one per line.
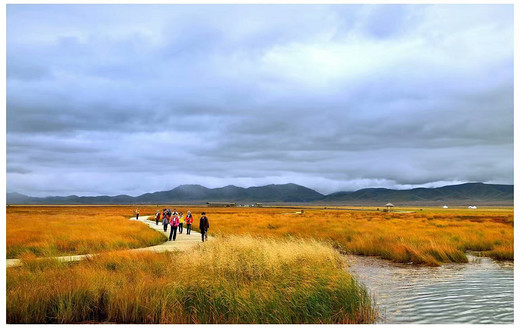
130,99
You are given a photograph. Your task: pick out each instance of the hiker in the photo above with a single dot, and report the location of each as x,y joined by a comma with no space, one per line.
165,221
189,221
204,226
157,217
137,214
174,223
181,222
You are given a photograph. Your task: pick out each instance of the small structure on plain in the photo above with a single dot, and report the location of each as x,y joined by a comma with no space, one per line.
221,204
389,206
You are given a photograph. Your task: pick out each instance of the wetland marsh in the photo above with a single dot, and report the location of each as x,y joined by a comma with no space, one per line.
419,270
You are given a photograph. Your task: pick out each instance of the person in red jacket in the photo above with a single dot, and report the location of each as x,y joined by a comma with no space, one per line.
157,217
174,223
189,221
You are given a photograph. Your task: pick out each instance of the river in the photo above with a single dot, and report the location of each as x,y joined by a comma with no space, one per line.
481,291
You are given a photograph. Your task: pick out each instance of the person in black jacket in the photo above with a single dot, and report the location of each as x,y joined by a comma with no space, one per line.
166,220
204,226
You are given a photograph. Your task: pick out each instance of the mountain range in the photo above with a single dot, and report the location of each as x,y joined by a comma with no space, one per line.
463,194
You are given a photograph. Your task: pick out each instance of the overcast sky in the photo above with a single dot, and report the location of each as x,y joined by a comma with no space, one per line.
133,99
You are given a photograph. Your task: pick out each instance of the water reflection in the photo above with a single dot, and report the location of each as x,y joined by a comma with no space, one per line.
480,291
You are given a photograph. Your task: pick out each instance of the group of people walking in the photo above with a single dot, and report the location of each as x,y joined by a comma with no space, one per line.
176,221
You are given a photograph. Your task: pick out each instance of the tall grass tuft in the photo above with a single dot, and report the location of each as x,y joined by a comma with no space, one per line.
226,280
502,252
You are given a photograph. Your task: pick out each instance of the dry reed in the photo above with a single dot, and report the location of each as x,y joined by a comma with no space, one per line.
227,280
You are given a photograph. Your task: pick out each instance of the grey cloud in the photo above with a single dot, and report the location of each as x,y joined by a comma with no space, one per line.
22,71
331,97
386,21
17,169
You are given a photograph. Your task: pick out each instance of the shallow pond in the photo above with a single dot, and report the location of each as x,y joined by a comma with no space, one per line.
481,291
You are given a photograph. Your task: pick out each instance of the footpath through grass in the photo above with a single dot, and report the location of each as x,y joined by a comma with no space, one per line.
226,280
44,231
431,236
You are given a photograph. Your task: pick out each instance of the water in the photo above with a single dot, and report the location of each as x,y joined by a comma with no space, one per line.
481,291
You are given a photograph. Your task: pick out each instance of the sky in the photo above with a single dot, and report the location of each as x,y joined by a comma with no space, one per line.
129,99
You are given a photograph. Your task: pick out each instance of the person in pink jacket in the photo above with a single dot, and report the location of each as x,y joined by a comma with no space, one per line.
174,223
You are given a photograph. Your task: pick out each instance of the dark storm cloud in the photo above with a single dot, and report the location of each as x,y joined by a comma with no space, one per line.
131,99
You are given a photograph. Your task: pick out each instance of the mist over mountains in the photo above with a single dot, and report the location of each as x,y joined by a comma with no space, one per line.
463,194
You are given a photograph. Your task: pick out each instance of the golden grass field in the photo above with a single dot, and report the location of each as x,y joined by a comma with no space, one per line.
429,236
70,230
234,279
266,265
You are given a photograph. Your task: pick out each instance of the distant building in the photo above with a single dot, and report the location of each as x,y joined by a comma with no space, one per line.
221,204
259,204
389,206
472,207
445,206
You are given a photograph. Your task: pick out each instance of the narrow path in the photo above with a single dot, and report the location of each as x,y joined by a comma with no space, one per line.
182,242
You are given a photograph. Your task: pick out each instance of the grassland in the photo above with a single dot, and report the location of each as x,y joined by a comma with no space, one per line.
267,265
430,236
69,230
233,280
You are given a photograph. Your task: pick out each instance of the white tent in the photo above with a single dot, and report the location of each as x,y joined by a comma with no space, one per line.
445,206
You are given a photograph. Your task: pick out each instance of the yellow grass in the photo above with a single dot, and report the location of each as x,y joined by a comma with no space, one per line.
425,236
67,230
280,275
226,280
429,236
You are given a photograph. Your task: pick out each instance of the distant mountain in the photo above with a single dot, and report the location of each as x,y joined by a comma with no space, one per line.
16,198
196,193
187,193
468,193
